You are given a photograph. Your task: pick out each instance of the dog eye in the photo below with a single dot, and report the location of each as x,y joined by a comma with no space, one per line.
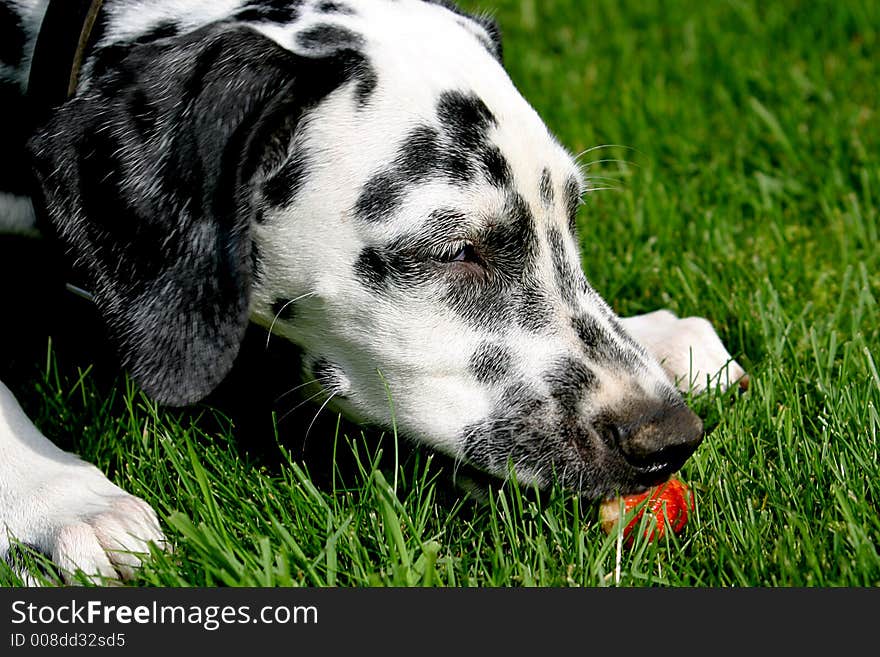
463,258
467,253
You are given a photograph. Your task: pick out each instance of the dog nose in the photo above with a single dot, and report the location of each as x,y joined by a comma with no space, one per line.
657,438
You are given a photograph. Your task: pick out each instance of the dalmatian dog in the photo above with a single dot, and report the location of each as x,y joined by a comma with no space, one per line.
362,178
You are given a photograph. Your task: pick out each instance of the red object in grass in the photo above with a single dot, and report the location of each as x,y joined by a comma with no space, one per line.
670,501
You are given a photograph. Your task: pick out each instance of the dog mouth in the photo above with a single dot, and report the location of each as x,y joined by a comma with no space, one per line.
611,472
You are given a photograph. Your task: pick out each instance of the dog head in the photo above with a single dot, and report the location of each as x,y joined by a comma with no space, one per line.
366,181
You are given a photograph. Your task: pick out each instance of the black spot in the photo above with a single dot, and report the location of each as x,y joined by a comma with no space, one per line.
521,398
366,85
456,154
380,197
563,271
381,269
622,334
465,118
546,188
572,202
281,188
466,122
570,381
384,192
458,165
329,38
490,363
331,7
163,30
512,242
274,11
496,166
588,331
534,310
599,345
372,269
284,310
419,154
329,375
606,312
12,37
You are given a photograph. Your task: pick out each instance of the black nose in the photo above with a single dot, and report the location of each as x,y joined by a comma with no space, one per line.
656,438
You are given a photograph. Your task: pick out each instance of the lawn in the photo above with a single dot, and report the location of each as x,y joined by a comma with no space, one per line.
740,142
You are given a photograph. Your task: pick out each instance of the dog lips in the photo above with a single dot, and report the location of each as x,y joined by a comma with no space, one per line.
669,502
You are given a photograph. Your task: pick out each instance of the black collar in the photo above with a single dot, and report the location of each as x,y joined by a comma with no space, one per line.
68,29
65,35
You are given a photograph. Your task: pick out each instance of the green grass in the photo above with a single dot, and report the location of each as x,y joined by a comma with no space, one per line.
747,188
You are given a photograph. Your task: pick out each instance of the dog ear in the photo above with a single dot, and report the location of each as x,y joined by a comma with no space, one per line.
145,179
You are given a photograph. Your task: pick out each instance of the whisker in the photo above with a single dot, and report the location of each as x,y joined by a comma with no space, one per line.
457,462
302,403
281,310
311,424
545,475
595,148
602,179
294,389
607,160
561,478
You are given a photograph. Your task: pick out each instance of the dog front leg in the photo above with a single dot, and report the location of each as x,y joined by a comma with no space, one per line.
689,350
64,507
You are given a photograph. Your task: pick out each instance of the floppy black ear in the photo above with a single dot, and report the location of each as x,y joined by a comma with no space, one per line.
145,178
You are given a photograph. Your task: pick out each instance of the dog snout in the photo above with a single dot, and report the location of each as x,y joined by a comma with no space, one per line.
656,439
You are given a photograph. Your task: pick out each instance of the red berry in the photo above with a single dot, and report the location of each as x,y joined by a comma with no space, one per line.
670,501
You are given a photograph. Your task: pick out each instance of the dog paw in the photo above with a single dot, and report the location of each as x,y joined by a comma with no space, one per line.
111,543
87,526
689,350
